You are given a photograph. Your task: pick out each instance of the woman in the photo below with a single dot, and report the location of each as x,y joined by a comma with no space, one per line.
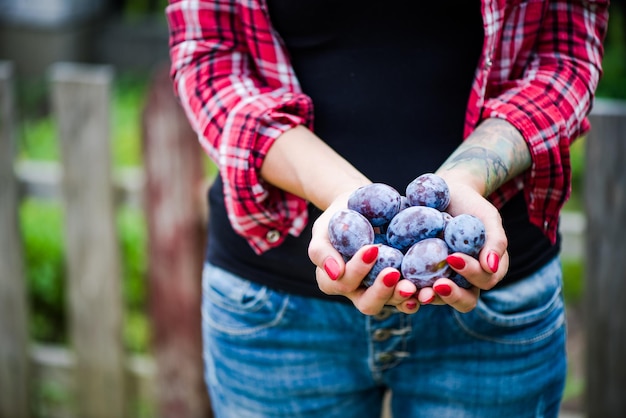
301,103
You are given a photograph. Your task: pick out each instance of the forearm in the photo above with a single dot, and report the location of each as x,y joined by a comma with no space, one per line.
492,155
301,163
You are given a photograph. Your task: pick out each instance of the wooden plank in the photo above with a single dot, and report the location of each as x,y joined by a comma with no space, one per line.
605,208
174,202
81,101
14,383
42,180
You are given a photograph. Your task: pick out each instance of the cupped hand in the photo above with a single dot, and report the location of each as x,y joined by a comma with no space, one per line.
337,277
492,263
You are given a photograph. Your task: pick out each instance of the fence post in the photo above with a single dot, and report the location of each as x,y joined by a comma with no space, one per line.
174,180
81,101
605,271
14,347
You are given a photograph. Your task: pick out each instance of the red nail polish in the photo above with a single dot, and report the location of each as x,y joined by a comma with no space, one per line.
443,289
429,300
370,255
457,262
410,305
332,268
493,261
390,279
405,294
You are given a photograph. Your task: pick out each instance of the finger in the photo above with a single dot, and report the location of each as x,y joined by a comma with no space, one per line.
339,278
409,306
496,243
471,269
427,296
475,273
320,250
402,292
463,300
375,297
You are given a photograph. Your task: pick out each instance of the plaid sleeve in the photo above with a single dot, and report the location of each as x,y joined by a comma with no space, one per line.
239,93
550,100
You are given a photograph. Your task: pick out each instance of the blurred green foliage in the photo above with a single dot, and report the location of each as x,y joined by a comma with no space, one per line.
41,225
132,8
573,280
128,101
132,235
613,81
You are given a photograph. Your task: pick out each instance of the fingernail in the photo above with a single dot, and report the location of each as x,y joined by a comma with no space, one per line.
390,279
332,268
405,294
493,261
443,290
457,262
370,255
429,300
410,305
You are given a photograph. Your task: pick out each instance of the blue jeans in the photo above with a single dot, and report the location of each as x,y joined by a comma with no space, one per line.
270,354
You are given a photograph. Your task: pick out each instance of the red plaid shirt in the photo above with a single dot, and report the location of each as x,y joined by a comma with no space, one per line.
540,65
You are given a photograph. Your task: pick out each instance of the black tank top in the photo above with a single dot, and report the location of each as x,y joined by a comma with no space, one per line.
389,83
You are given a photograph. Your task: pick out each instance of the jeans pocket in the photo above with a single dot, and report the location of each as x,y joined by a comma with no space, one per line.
523,312
237,306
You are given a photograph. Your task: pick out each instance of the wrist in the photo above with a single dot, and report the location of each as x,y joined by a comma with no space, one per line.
493,154
301,163
464,177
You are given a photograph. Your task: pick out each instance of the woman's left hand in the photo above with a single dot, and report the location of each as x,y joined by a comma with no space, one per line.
492,263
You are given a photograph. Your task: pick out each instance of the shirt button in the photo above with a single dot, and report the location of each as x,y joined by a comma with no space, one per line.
272,236
381,335
488,62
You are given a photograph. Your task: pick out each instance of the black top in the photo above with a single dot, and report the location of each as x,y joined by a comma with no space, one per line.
389,83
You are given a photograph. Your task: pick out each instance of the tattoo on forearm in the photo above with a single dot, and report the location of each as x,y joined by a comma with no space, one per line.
495,152
485,162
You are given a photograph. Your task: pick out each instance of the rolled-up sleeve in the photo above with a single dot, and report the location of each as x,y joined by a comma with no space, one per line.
239,93
550,101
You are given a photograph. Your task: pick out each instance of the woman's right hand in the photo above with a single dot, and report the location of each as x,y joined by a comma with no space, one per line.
336,277
301,163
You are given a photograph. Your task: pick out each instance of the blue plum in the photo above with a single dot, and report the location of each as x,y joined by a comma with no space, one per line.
378,202
387,257
380,238
429,190
446,217
425,262
412,225
465,233
348,231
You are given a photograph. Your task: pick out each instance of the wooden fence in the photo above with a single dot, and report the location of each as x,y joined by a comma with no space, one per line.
106,380
605,249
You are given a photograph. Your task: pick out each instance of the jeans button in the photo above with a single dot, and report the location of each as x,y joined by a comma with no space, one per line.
384,313
386,357
381,335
